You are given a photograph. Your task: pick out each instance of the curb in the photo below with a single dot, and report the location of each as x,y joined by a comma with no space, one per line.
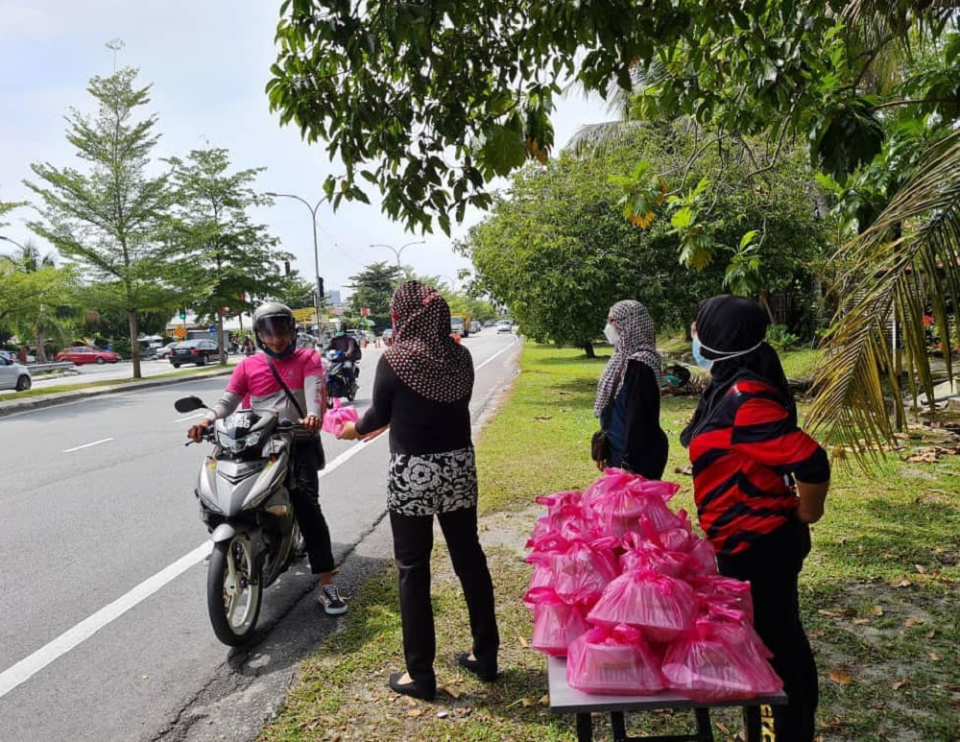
35,403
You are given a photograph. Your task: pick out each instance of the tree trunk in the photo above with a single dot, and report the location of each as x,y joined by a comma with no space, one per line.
41,351
134,343
588,349
221,342
765,303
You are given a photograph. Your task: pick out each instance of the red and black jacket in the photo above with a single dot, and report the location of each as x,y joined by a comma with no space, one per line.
743,461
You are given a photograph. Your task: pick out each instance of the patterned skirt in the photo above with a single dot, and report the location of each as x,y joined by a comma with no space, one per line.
432,483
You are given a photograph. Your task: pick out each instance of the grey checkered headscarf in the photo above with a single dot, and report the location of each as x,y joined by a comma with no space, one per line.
637,341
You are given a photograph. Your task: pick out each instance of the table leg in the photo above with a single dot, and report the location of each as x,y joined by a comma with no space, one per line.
618,726
704,727
584,728
751,723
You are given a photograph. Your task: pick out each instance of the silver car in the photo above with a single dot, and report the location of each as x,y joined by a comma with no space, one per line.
14,375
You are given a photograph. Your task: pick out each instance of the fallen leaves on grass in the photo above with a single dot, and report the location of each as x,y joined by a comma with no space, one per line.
450,692
911,622
899,684
840,678
413,713
875,610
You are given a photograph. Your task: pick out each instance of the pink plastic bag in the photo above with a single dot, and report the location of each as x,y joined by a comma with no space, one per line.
613,661
733,628
584,569
642,554
724,592
619,512
555,623
663,607
612,480
334,419
658,488
703,667
542,573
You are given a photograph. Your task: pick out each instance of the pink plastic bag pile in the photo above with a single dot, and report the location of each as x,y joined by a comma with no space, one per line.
624,588
334,419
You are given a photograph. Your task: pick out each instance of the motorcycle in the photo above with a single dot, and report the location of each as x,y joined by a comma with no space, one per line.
246,506
339,383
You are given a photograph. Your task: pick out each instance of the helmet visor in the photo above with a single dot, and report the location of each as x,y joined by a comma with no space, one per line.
275,328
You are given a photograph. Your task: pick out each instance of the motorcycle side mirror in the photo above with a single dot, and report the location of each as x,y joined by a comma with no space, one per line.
189,404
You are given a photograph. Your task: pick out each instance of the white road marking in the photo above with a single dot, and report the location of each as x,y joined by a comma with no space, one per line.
87,445
190,417
30,666
34,663
498,353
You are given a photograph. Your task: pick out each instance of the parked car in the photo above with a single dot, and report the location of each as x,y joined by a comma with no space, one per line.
14,375
504,325
164,350
199,352
80,354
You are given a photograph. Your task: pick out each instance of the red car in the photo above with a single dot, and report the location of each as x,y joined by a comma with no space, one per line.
85,354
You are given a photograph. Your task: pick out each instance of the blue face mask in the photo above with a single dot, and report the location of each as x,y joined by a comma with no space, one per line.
698,356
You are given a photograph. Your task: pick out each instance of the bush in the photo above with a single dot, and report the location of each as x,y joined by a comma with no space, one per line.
122,346
779,338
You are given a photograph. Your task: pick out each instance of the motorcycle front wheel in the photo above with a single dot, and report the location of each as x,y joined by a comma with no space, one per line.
234,592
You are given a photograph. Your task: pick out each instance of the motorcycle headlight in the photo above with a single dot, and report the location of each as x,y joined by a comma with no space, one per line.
236,445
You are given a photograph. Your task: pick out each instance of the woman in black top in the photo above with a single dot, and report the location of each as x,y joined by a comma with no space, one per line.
422,391
628,395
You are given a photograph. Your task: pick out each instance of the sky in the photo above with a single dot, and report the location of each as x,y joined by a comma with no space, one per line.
208,62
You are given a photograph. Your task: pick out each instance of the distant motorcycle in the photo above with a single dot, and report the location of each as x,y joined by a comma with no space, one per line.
244,502
340,383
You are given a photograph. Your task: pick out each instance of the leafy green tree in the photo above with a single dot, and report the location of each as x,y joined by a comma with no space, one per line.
39,313
391,87
111,220
227,258
373,288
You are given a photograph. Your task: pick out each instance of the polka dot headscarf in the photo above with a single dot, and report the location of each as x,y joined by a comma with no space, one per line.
423,354
637,341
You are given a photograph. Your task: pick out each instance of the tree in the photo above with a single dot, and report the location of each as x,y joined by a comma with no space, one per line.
227,258
390,87
373,288
44,297
111,221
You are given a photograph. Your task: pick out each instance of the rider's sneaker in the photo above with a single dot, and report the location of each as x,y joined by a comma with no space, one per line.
331,601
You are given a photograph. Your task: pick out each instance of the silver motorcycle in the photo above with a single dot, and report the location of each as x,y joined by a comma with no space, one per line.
245,504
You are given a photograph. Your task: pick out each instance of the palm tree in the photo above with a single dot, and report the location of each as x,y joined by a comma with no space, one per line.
903,262
43,319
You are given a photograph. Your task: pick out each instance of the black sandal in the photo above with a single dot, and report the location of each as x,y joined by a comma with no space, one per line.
411,688
463,659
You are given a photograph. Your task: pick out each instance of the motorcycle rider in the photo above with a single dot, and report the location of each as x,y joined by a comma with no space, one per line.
303,373
350,348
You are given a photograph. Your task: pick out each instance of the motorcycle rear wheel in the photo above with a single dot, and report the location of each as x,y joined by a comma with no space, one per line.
233,602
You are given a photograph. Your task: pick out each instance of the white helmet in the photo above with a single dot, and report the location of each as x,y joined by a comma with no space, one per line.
273,318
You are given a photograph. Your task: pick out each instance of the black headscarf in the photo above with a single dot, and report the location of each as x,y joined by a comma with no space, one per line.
732,324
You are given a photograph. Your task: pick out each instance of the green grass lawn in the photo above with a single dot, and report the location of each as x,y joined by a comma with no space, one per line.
879,594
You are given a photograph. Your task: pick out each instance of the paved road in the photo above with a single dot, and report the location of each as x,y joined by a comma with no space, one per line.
95,504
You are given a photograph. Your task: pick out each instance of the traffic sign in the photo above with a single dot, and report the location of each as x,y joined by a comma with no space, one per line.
213,329
180,331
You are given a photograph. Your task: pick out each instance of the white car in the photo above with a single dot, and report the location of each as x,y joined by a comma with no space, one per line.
504,325
14,375
164,350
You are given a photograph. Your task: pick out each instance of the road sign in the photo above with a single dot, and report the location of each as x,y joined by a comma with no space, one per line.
213,329
180,331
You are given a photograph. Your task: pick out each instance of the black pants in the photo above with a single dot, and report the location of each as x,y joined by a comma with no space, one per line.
412,545
772,565
305,495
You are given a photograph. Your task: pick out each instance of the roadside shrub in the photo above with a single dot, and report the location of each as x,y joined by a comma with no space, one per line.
780,338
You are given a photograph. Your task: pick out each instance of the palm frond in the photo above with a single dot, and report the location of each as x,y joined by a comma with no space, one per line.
904,266
597,139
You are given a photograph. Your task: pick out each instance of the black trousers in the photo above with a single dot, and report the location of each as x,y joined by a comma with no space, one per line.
772,566
305,495
412,545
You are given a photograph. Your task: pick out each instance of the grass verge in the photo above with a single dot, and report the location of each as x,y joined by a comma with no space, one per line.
30,393
879,594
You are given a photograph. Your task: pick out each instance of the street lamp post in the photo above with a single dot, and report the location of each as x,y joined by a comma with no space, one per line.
402,248
316,246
